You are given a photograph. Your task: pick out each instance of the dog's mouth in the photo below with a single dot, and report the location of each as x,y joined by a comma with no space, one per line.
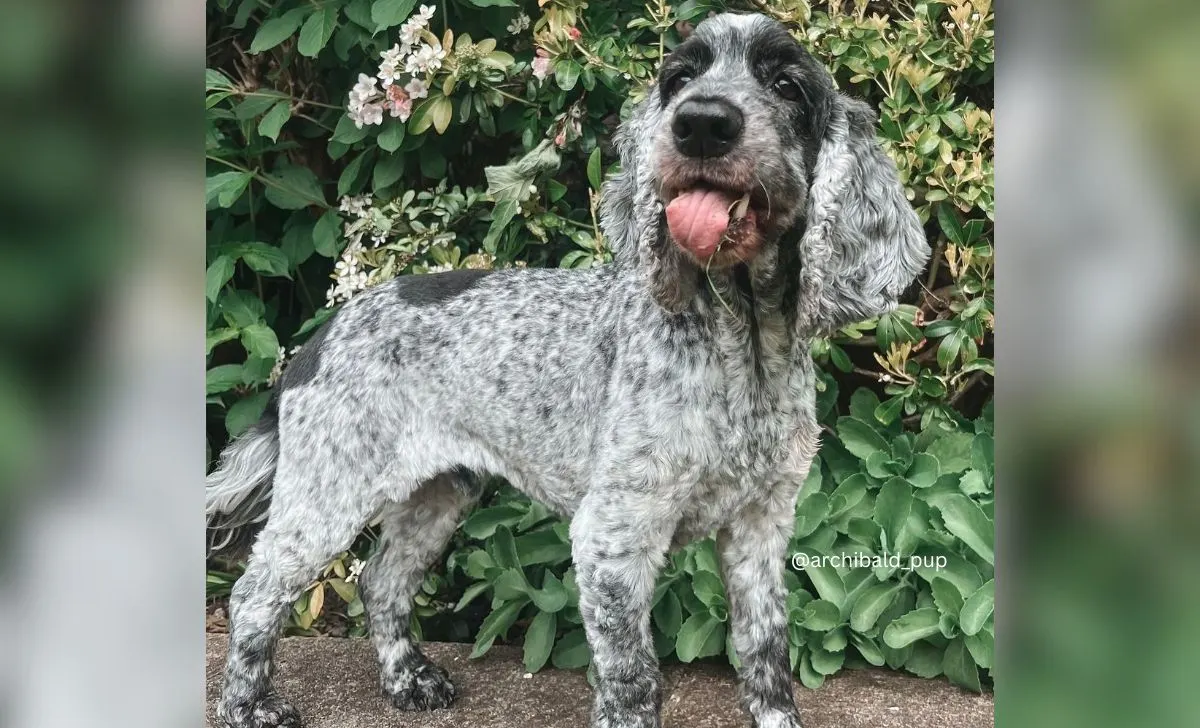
719,227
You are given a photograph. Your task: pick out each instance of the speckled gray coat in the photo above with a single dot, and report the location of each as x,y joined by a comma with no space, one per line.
647,404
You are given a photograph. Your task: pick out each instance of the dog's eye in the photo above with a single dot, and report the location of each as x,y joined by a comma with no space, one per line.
676,83
787,88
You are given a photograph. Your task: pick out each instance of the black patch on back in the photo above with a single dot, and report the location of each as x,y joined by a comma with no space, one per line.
303,369
436,288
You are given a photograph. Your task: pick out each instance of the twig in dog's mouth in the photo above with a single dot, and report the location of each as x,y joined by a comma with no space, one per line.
737,217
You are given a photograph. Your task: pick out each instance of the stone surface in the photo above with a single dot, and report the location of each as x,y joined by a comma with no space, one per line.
334,684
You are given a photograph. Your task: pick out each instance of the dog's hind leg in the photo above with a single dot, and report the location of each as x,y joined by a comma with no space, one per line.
315,514
414,533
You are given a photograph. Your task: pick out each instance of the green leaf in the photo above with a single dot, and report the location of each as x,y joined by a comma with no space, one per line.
859,438
294,188
502,215
276,30
245,412
925,660
693,635
317,30
808,674
497,623
892,507
949,224
668,613
957,570
471,592
594,173
982,646
349,176
260,340
217,275
273,121
435,111
222,378
566,73
821,615
978,607
387,13
825,579
811,514
847,495
826,663
572,651
504,549
924,471
959,666
868,649
241,308
966,520
871,604
387,170
219,336
264,259
552,597
917,624
483,522
973,483
392,136
539,640
226,187
945,595
953,451
297,244
347,132
708,588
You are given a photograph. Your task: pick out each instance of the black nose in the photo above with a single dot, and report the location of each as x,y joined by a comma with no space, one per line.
706,127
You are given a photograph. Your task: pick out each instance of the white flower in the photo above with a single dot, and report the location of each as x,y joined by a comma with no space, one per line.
416,89
277,370
363,92
367,115
356,568
440,268
518,24
541,67
392,55
424,59
359,206
390,62
410,32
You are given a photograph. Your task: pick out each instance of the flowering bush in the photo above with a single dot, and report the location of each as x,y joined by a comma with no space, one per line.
351,141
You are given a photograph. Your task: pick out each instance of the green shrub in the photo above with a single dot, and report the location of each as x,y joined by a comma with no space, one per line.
500,165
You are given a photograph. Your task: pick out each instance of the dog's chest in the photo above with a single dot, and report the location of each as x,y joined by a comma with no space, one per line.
748,447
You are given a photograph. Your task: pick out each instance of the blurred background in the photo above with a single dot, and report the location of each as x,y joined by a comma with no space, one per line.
101,431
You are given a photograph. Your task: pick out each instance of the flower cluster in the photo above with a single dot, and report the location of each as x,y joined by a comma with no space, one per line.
418,53
519,24
349,275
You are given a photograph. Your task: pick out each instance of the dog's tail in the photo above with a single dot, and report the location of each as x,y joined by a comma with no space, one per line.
239,490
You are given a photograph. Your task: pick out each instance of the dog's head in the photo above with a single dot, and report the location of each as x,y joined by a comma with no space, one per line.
743,153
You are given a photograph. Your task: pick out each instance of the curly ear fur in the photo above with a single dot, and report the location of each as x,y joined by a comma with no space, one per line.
864,243
631,215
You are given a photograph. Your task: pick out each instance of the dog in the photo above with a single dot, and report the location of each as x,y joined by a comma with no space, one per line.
653,401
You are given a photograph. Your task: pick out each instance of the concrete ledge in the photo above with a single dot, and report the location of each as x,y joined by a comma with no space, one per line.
333,682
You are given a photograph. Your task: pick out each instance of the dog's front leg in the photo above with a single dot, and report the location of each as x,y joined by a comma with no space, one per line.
619,542
752,549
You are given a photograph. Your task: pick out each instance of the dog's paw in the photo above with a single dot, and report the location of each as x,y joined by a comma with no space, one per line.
425,686
269,712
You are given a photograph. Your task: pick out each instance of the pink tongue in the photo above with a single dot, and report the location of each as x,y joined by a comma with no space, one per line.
697,220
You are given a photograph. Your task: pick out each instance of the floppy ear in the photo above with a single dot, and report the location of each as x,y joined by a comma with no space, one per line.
864,244
631,214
